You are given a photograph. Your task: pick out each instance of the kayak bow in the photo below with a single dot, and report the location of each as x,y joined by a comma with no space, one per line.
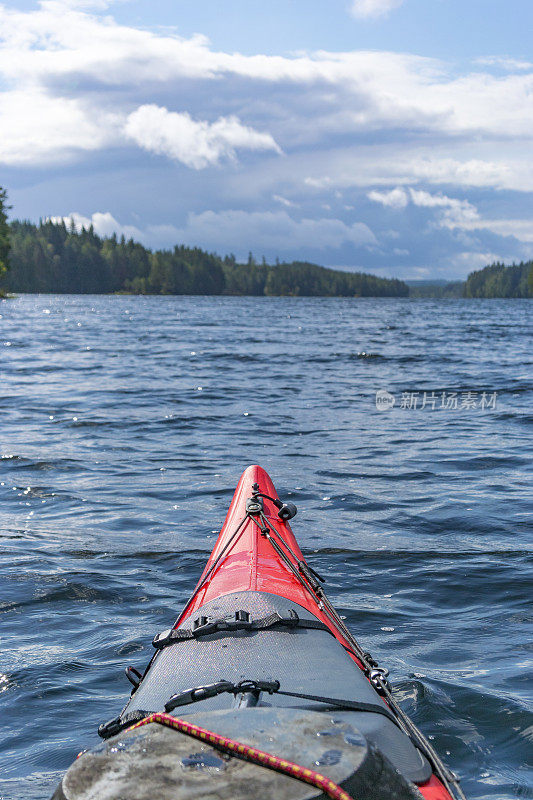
271,665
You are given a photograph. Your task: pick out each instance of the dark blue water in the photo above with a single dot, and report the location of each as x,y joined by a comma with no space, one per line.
125,425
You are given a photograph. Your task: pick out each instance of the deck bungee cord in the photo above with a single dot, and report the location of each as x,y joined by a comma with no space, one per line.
272,687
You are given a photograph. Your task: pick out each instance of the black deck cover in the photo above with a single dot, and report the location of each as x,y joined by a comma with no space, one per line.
302,660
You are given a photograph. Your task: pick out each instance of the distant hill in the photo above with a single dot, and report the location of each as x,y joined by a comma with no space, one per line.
51,257
435,288
497,280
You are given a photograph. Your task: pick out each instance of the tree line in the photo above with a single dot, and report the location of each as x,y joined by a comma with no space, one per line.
431,290
498,280
57,258
5,244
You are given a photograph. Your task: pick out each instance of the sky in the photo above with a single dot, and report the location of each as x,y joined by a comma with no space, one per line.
390,136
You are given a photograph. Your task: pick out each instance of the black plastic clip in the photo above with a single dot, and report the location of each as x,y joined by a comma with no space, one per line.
255,687
203,626
290,618
161,639
197,694
110,728
369,660
287,511
134,676
200,624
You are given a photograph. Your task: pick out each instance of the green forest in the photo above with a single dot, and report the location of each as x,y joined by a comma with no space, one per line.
497,280
53,257
5,245
436,289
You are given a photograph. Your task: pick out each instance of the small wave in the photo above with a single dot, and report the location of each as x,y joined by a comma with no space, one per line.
367,356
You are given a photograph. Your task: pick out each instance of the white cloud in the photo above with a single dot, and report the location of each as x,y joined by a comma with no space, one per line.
222,231
85,4
74,82
510,64
318,183
373,8
468,260
94,5
521,229
104,224
284,201
396,198
195,144
267,230
61,55
371,165
366,89
37,128
472,172
457,213
463,215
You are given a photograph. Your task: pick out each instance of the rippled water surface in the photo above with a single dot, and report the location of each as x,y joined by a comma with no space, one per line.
125,425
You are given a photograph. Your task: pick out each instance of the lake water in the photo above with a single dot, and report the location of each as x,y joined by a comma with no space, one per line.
125,425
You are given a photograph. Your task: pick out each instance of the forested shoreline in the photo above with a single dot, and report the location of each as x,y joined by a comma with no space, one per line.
57,258
499,280
53,257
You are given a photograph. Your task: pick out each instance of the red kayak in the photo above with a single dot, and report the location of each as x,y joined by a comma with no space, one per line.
257,656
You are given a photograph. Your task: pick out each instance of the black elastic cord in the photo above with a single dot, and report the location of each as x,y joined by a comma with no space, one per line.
349,705
277,502
272,687
265,531
273,529
303,566
215,564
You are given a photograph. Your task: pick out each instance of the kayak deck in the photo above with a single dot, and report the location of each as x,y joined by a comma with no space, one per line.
294,657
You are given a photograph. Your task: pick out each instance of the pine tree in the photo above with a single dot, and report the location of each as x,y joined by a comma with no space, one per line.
5,245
